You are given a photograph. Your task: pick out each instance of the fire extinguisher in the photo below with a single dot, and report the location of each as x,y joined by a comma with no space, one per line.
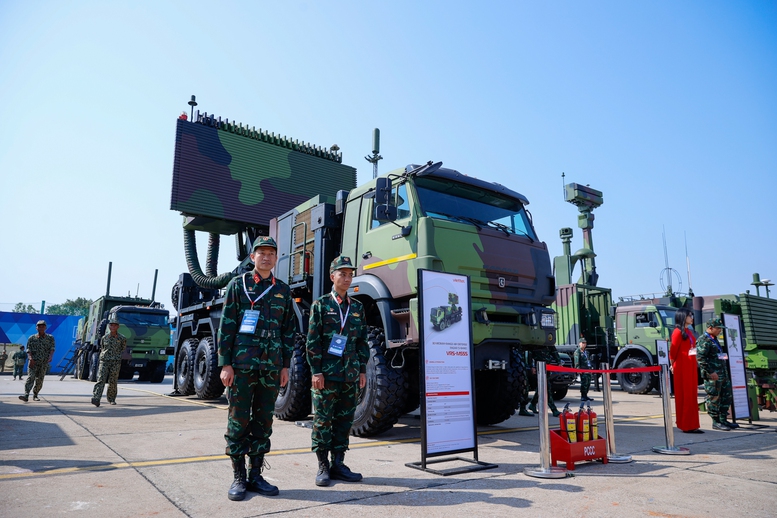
593,423
583,426
567,423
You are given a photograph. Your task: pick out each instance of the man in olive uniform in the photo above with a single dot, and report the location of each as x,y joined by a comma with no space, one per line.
581,361
40,351
337,352
19,359
112,346
547,355
3,358
712,364
255,344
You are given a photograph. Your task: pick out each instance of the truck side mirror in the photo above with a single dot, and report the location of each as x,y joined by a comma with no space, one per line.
653,324
382,191
385,213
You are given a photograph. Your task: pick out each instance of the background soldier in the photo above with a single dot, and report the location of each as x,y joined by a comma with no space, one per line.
3,358
337,352
581,361
112,346
712,364
40,350
255,344
19,358
547,355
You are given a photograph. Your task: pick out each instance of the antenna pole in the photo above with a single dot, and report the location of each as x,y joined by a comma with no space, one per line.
688,264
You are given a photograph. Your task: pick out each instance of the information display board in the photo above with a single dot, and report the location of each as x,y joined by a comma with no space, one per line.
736,365
662,346
447,405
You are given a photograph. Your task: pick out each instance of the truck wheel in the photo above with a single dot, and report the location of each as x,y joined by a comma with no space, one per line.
443,324
94,365
143,375
293,401
380,403
185,364
126,372
83,365
158,372
207,383
412,392
559,393
498,392
635,382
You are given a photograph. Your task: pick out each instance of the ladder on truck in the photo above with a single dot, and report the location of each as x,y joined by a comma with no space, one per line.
68,362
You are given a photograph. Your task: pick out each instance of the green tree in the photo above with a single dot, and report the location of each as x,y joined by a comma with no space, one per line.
78,307
21,307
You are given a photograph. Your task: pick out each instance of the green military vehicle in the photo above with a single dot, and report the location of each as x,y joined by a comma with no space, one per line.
145,324
442,317
230,179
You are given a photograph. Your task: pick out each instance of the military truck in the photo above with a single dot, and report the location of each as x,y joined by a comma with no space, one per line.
145,324
229,179
442,317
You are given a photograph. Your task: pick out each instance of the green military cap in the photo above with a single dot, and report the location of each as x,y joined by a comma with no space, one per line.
264,241
113,320
583,341
41,323
341,262
715,322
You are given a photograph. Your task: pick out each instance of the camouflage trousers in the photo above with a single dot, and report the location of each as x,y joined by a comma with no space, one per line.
108,372
251,406
718,398
35,375
333,409
536,398
585,384
17,370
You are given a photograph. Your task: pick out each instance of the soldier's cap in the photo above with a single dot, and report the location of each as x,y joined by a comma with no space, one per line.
715,322
113,320
341,262
264,241
583,341
41,323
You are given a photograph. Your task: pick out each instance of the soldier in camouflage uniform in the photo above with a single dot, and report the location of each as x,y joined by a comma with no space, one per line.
40,351
19,358
581,361
712,364
547,355
337,352
112,346
255,344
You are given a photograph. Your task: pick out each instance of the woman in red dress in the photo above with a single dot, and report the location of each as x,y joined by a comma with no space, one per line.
686,384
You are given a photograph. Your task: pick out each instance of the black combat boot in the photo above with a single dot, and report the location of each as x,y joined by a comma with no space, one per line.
340,471
256,482
237,491
322,477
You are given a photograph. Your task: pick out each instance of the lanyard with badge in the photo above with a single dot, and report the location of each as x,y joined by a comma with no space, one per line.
721,354
337,344
251,316
692,350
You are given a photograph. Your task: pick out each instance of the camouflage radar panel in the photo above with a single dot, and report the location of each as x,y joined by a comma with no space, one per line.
226,171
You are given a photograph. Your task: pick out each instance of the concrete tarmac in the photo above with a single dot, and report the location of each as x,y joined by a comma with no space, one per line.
158,456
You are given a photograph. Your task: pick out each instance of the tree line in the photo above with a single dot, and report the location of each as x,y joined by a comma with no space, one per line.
77,307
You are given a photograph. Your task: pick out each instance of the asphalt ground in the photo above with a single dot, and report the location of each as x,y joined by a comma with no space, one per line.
153,455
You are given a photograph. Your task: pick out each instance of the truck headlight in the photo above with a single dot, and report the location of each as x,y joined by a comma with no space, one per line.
549,320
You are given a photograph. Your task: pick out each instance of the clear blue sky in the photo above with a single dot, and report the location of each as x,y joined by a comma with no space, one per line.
669,108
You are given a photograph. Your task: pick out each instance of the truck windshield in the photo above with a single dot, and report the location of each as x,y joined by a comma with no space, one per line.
464,203
667,315
142,319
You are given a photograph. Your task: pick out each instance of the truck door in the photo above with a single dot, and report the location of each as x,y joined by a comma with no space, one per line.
647,328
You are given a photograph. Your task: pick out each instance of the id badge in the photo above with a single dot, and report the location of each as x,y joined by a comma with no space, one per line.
250,319
692,352
337,345
723,356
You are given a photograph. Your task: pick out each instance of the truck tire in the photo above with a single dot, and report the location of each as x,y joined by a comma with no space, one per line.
293,402
559,393
157,372
144,374
185,366
380,403
498,392
637,382
126,372
83,365
94,365
207,383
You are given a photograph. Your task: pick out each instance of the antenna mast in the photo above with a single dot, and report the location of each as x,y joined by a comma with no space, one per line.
375,152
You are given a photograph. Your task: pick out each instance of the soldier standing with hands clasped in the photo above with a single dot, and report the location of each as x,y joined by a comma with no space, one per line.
19,358
255,344
712,363
111,347
337,352
581,361
40,351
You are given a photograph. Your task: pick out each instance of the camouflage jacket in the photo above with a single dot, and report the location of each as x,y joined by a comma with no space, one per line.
325,322
545,354
707,350
581,359
40,349
19,357
272,343
111,348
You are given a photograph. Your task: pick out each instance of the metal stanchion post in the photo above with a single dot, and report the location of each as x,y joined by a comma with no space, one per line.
670,448
608,420
544,470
